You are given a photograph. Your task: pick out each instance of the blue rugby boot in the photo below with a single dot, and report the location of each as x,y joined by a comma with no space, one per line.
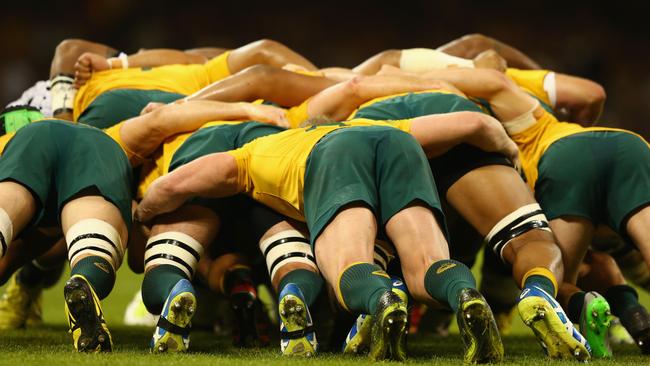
172,332
296,328
552,327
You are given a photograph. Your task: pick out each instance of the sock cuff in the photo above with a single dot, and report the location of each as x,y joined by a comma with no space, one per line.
544,272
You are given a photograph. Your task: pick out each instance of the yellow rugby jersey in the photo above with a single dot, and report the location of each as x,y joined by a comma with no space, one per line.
158,163
298,114
271,169
532,82
536,139
182,79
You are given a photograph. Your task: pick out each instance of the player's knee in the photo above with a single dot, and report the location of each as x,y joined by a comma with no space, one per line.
93,237
175,249
527,220
287,248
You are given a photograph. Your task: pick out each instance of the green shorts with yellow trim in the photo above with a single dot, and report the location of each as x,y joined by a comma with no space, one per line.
459,160
115,106
56,160
603,176
382,167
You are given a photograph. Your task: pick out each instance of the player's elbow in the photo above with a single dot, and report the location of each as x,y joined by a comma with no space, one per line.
354,87
596,94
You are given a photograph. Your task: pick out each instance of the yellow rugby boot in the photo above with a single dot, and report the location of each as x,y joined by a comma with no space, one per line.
85,317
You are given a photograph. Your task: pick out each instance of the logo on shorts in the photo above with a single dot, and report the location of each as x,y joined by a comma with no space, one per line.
102,266
381,273
445,267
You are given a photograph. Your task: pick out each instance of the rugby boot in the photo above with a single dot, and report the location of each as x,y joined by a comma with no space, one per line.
389,329
20,305
478,329
358,338
595,320
637,322
172,332
552,327
296,327
85,317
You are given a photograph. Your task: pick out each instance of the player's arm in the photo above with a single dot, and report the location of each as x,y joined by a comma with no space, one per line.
142,135
440,132
88,62
339,101
506,99
270,83
214,175
472,45
582,99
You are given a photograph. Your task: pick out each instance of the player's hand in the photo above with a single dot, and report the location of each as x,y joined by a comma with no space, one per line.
490,59
268,114
150,107
492,137
158,200
86,64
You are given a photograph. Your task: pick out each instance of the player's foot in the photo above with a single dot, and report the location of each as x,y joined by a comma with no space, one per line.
389,327
618,334
85,317
20,305
136,312
551,326
595,319
637,322
358,338
478,329
243,301
172,333
296,328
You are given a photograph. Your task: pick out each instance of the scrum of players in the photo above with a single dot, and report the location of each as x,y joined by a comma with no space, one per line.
372,189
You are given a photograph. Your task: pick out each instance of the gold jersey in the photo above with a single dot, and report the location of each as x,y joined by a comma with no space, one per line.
536,139
271,169
533,82
182,79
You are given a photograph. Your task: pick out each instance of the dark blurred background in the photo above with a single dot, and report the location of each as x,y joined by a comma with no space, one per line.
608,44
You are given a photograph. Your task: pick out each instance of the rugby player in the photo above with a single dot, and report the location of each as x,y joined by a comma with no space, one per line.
56,174
611,188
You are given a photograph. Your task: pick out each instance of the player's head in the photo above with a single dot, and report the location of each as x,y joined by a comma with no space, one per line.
14,118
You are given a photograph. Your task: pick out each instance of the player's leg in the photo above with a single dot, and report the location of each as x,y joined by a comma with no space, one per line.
21,304
96,235
413,218
171,256
500,206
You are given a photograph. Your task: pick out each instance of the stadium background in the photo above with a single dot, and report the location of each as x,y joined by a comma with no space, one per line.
610,45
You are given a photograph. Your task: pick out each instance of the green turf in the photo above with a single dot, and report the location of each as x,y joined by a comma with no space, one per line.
50,345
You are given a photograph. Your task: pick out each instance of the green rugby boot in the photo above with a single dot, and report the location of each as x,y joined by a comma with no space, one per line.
595,320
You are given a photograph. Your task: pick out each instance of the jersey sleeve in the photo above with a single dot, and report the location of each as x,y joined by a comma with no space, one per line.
534,82
217,67
242,158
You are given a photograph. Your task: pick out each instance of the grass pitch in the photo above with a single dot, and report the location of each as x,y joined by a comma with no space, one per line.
51,345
